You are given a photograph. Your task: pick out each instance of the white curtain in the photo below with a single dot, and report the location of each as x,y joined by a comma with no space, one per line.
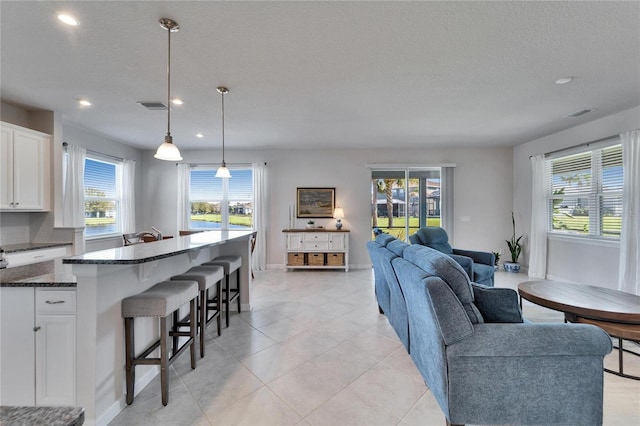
184,208
260,216
538,236
128,207
73,187
629,272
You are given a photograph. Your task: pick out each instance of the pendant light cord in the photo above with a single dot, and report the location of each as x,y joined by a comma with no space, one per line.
169,84
223,163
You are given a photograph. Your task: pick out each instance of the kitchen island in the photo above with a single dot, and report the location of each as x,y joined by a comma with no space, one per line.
106,277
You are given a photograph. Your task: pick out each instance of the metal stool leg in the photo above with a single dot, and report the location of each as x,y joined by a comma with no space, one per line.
130,354
164,356
238,284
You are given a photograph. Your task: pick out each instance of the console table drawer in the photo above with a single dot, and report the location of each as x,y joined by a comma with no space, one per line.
313,236
315,246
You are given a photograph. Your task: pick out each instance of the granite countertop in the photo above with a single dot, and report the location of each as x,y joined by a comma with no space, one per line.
45,280
41,416
14,248
156,250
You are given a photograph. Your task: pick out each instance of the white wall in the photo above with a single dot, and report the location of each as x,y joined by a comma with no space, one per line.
482,185
570,259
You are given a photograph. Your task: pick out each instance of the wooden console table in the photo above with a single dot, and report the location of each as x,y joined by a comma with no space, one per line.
317,248
616,312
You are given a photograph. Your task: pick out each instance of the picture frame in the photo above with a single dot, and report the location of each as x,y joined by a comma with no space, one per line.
315,202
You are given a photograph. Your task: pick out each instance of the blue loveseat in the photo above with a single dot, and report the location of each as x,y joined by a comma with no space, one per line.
481,360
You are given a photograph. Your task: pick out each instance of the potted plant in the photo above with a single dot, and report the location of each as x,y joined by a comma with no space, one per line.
497,256
514,248
311,224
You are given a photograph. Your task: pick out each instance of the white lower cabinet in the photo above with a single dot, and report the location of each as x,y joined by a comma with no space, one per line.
38,351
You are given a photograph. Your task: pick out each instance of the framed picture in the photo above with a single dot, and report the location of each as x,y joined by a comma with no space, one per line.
315,202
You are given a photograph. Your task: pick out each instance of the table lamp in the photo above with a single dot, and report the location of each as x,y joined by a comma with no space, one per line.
338,214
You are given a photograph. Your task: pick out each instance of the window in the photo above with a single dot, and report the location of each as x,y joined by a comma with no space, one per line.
585,192
102,196
405,200
221,203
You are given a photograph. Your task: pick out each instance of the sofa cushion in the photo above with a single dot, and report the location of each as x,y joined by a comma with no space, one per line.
452,321
442,266
397,247
497,304
384,239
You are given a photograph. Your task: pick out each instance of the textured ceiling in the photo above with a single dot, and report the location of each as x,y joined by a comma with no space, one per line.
325,74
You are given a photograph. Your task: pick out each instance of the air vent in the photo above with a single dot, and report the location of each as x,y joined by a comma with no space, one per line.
579,113
154,105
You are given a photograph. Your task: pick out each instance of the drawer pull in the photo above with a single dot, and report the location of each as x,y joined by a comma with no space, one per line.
38,256
54,302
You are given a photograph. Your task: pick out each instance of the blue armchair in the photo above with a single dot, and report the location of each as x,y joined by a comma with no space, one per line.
479,265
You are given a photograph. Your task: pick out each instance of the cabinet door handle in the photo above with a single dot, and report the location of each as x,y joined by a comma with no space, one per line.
36,328
54,302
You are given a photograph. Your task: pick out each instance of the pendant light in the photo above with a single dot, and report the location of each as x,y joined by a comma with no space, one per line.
223,171
168,151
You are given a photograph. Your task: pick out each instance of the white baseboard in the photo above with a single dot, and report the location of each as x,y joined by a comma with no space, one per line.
556,278
120,404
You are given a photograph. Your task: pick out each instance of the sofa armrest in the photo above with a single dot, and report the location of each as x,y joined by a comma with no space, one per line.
532,340
466,262
497,304
483,257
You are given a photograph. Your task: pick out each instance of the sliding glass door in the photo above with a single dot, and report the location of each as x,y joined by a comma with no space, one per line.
405,199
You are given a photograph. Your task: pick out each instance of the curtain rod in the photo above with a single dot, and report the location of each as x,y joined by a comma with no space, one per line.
546,154
217,164
98,154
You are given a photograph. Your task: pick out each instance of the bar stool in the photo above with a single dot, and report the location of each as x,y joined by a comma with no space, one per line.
230,264
206,277
159,301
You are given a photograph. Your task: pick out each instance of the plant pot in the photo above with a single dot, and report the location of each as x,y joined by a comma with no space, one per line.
511,267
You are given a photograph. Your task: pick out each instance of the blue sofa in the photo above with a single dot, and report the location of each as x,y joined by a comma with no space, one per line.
479,265
388,292
481,360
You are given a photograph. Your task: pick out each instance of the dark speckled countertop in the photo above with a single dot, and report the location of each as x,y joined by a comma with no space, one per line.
14,248
42,274
41,416
46,280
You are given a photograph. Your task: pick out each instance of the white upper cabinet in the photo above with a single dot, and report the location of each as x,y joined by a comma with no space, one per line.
24,169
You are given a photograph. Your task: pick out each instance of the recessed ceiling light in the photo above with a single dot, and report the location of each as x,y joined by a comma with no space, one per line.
68,19
564,80
176,101
199,135
84,102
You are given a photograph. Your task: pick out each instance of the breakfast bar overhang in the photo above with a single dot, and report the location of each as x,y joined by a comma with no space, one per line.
106,277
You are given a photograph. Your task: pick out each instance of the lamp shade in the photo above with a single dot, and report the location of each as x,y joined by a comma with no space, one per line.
338,213
168,151
223,172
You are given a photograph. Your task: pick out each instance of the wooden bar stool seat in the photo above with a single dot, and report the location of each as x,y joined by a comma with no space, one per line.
230,264
160,301
209,305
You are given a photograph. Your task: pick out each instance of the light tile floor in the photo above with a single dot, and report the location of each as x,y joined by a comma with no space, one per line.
315,351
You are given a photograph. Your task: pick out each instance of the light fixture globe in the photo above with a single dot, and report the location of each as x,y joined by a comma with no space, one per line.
168,151
223,172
